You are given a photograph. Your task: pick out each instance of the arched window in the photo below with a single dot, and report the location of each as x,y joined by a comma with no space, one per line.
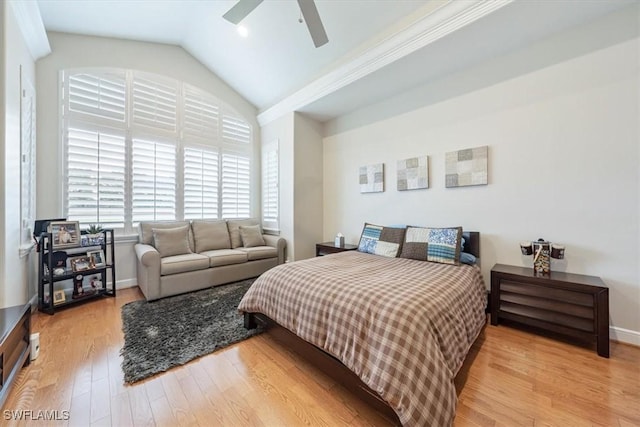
140,146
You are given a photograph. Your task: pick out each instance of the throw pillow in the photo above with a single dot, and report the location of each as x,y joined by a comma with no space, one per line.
379,240
171,241
210,235
251,236
433,244
234,230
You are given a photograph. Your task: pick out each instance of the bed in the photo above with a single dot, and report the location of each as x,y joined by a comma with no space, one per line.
401,327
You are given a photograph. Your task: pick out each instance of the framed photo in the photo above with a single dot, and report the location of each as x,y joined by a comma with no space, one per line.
58,297
97,258
64,234
81,263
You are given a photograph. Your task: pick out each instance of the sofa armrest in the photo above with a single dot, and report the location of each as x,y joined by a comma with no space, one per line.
148,270
279,243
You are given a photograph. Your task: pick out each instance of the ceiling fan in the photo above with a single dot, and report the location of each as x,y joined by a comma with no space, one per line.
308,8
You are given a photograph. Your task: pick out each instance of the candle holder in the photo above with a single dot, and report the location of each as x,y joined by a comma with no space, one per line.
542,251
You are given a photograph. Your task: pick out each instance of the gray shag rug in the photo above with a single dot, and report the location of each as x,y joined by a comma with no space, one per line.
161,334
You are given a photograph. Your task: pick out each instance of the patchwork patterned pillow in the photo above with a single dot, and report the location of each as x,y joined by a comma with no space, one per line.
433,244
378,240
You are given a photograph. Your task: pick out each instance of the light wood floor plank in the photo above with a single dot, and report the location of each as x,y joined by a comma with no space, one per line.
511,378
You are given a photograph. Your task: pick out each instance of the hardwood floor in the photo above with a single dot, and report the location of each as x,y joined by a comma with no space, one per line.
511,378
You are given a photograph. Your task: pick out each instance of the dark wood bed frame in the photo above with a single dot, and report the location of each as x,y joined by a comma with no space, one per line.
328,364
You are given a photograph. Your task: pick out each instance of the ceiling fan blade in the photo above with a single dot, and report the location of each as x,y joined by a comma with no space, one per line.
240,11
314,24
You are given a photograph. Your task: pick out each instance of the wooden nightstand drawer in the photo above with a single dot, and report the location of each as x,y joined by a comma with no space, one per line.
573,305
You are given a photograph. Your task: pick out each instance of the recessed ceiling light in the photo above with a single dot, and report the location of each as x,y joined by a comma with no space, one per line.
242,30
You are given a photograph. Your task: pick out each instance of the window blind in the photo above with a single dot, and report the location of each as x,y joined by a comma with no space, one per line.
154,103
200,183
270,185
95,172
153,181
100,96
236,183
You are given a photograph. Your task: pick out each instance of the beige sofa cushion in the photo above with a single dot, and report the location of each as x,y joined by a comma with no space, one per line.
221,257
260,252
146,231
183,263
251,236
171,241
210,235
234,230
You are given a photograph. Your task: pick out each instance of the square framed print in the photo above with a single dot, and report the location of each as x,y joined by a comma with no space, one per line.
81,263
371,178
59,297
64,234
97,258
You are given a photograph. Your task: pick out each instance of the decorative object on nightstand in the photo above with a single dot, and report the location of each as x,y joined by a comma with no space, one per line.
571,305
542,251
327,248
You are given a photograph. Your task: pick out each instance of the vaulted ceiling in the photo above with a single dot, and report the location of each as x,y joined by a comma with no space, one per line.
376,48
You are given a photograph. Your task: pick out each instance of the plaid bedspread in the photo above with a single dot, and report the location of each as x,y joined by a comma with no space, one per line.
403,326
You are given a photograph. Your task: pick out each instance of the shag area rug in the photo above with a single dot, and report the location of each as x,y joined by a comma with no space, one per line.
161,334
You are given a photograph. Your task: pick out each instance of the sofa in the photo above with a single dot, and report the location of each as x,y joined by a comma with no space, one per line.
174,257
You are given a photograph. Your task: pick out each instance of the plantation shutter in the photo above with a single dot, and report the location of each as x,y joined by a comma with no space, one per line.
154,103
270,184
153,181
235,130
236,182
200,183
201,115
95,172
100,96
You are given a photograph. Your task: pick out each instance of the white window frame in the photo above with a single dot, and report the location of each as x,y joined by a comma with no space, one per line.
27,163
232,133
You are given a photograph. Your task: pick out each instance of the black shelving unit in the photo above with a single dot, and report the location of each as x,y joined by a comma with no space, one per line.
46,278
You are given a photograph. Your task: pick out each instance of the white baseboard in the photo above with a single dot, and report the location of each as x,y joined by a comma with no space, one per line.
624,335
127,283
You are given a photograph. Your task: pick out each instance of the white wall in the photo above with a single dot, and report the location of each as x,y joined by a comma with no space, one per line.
76,51
307,193
14,270
282,129
300,176
564,159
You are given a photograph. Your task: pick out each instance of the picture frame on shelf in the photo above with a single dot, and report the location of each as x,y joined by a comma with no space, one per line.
64,234
59,297
80,263
97,258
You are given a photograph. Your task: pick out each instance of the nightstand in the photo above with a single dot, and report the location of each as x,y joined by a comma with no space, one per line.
571,305
327,248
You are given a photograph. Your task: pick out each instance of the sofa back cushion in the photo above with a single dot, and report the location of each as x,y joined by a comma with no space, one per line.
234,230
171,241
146,231
210,235
251,236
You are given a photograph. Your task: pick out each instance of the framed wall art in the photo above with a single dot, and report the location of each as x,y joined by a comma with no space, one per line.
466,167
413,173
372,178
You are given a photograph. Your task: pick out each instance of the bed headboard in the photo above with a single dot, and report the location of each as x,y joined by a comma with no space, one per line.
472,245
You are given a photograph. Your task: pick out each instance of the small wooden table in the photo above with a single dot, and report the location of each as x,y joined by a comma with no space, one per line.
572,305
327,248
15,345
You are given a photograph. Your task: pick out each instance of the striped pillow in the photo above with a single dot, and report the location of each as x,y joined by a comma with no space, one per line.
433,244
379,240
